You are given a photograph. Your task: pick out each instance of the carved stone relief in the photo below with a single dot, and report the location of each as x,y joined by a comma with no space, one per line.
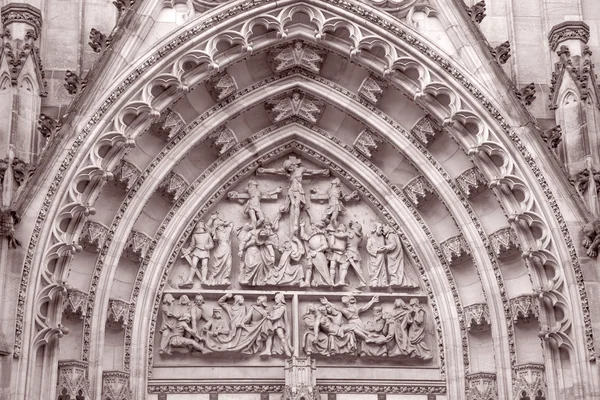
471,182
367,142
419,190
477,317
73,382
504,243
426,129
118,314
222,140
220,86
115,385
481,386
456,250
524,308
530,382
295,104
172,187
298,54
169,124
372,89
126,174
137,245
74,304
93,236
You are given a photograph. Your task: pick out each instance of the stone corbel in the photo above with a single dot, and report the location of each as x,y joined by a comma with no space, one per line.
137,245
482,386
455,250
169,124
426,130
118,314
477,317
47,126
93,236
372,89
552,136
524,308
126,173
73,382
172,187
115,385
222,140
98,41
367,142
471,182
419,190
504,243
221,86
530,382
74,304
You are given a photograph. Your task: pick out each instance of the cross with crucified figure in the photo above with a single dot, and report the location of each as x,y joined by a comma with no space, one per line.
295,200
335,198
254,196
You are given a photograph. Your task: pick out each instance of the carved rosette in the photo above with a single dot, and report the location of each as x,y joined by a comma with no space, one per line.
426,129
73,382
530,382
471,182
172,186
504,243
137,245
93,236
481,386
455,250
418,190
477,317
367,142
115,385
169,124
74,304
568,30
118,314
372,89
524,308
298,54
221,86
222,140
295,104
300,379
126,173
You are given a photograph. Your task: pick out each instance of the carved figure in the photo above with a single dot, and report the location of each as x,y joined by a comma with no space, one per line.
376,248
341,340
316,244
288,272
254,196
278,340
395,259
198,252
197,312
591,240
169,319
257,319
379,335
177,338
353,258
257,247
335,201
221,257
338,243
295,200
352,313
216,331
416,331
236,312
399,320
314,341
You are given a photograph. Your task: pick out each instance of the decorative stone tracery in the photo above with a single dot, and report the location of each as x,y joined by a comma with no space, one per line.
524,308
481,386
456,250
73,382
478,317
367,142
419,190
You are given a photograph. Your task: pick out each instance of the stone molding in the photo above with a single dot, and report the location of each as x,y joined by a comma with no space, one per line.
477,317
482,386
525,308
367,142
471,182
118,314
568,30
73,379
115,385
504,242
456,250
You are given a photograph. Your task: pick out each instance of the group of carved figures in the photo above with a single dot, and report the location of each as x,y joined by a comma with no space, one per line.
332,330
317,252
232,327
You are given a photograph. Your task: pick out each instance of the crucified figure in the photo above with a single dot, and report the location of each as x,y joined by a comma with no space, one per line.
254,196
295,200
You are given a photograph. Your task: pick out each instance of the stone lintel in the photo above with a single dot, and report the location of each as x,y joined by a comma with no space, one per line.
568,30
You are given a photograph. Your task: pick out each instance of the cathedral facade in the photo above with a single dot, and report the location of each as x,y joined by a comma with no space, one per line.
299,200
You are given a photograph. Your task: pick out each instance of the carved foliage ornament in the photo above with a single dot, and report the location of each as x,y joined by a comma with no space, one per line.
118,314
74,304
295,104
48,126
137,245
17,52
372,89
172,186
501,52
568,30
526,94
297,54
583,180
477,12
21,12
169,124
553,136
426,129
504,243
471,182
456,250
98,41
73,83
419,190
221,86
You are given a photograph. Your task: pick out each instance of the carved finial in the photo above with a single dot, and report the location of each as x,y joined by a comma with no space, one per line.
526,94
48,126
98,41
74,84
501,52
553,136
477,12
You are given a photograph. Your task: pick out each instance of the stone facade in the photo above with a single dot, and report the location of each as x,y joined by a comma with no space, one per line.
341,199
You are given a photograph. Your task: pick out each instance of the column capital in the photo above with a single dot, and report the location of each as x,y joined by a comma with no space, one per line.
568,30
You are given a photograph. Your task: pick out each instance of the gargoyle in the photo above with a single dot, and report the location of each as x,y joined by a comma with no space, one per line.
591,240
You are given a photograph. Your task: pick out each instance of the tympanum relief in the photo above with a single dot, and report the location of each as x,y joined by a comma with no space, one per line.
293,261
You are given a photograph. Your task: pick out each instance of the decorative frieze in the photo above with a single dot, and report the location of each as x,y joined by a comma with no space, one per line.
73,382
471,182
372,89
530,382
526,94
501,52
169,124
367,142
298,54
171,187
74,304
419,190
455,250
552,136
118,314
222,140
477,317
126,173
115,385
482,386
73,83
137,245
504,243
295,104
568,30
524,307
477,12
93,236
426,129
221,86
